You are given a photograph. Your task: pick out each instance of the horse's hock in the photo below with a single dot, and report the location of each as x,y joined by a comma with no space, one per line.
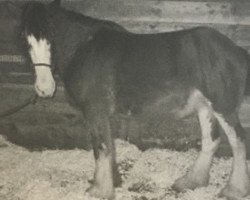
54,124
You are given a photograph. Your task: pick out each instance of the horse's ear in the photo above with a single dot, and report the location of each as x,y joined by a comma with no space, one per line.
55,3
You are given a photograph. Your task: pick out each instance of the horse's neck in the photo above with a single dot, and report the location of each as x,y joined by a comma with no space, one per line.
75,36
67,42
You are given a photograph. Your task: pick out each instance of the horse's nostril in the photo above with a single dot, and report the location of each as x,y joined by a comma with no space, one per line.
40,91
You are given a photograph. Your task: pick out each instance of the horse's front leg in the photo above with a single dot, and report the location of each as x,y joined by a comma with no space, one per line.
106,175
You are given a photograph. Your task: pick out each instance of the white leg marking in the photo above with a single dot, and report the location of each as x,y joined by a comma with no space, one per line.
103,186
209,146
203,163
230,132
40,53
198,175
205,117
239,183
103,174
195,101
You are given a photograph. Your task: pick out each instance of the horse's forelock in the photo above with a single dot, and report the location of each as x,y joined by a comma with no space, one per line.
35,20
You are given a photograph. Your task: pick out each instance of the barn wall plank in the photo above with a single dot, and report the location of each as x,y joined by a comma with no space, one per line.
226,12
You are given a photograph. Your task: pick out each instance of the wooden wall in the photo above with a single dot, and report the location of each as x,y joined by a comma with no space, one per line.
141,16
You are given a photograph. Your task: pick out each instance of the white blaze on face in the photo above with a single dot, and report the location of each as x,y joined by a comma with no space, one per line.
40,53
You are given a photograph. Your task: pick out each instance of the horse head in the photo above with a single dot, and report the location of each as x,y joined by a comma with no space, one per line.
37,32
53,34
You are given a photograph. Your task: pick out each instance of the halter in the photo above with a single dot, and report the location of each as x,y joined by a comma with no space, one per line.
41,64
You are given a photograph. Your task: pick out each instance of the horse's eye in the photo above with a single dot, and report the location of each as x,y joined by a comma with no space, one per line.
22,34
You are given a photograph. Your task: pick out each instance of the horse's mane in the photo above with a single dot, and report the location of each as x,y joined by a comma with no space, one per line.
35,20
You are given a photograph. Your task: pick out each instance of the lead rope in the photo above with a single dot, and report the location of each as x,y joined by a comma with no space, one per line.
25,103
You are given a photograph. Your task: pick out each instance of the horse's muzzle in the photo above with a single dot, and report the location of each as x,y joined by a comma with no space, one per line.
45,89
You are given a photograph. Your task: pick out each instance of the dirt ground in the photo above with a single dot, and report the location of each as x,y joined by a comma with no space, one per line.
64,174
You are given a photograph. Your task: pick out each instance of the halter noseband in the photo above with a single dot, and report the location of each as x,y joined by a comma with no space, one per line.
41,64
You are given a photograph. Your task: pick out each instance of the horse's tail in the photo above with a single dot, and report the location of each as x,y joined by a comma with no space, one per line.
247,86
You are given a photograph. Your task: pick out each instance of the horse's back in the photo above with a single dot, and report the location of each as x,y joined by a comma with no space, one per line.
153,66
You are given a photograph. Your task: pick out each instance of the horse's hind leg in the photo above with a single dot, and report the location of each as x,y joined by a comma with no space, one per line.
106,175
198,175
239,183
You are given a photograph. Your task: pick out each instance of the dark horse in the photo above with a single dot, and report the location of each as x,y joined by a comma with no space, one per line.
108,70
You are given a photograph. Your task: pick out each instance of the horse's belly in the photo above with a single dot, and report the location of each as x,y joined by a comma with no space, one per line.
143,100
166,117
171,105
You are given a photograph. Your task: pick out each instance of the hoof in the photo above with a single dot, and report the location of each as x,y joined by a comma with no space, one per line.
117,180
233,193
188,182
101,192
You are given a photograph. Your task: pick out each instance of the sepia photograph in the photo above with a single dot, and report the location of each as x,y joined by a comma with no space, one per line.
124,99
